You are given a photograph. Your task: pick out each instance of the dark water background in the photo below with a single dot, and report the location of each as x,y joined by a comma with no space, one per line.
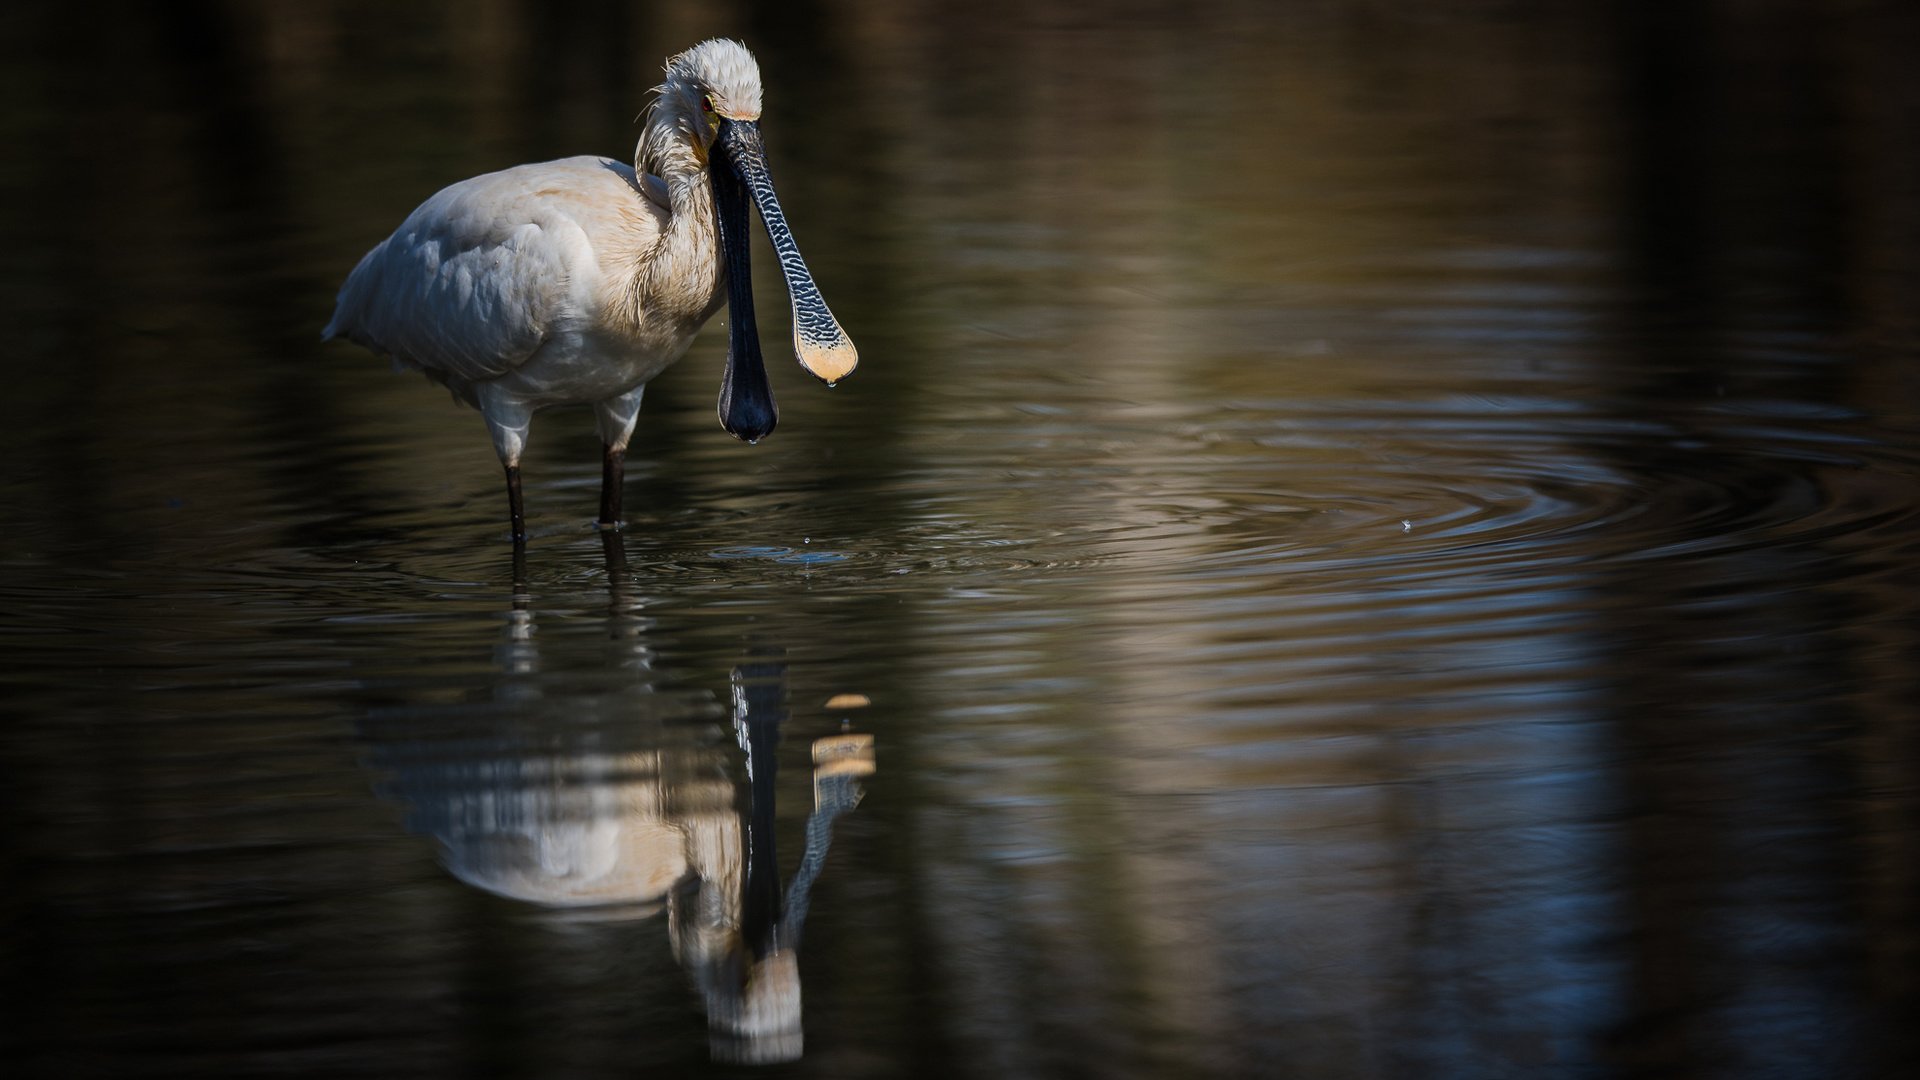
1379,540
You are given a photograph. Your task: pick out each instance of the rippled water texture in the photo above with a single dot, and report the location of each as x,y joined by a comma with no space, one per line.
1367,541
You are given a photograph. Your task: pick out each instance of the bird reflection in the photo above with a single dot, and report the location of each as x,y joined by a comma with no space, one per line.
621,804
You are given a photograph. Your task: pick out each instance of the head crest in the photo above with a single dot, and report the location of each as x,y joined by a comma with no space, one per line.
717,74
724,69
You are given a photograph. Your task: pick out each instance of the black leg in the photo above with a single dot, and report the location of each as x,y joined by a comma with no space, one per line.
514,509
613,471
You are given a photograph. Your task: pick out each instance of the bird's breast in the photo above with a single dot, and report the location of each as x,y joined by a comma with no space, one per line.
572,369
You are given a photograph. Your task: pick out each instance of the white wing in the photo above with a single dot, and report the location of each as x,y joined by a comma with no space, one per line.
474,281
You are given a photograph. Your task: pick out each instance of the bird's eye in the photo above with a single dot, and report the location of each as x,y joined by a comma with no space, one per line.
706,103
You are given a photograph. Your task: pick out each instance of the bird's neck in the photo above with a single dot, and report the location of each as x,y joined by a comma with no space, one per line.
686,276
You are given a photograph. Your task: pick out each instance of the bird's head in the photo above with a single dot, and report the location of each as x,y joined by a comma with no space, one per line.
713,82
711,102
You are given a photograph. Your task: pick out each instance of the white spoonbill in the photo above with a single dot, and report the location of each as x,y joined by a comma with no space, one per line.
577,281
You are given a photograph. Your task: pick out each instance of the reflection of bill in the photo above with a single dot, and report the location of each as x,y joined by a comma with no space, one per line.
622,815
756,1018
749,972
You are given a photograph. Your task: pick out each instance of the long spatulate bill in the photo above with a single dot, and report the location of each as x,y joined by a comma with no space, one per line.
819,343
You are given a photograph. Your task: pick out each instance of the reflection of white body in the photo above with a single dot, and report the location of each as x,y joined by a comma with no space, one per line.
621,833
615,805
591,830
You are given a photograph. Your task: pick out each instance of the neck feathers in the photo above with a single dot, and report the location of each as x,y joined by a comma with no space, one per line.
682,278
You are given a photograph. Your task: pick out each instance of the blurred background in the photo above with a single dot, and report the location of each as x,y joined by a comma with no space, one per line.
1368,540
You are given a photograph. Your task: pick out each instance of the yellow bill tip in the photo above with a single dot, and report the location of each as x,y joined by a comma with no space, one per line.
829,363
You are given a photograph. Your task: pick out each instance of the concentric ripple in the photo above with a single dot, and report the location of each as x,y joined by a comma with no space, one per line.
1461,485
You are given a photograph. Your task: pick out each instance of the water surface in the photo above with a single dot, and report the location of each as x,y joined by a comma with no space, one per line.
1362,544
